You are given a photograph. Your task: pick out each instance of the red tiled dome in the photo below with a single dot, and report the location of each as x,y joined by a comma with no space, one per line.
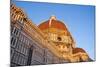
76,50
53,24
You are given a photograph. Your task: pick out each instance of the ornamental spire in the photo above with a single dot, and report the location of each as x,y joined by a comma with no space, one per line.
51,18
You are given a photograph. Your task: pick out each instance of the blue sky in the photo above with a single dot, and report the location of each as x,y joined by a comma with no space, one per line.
80,20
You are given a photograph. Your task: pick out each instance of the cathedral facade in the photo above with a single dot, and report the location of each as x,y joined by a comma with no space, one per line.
48,43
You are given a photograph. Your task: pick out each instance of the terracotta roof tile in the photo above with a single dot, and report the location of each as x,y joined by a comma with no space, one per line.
54,24
76,50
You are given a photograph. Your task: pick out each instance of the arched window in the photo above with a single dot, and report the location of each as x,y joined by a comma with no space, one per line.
30,55
59,38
